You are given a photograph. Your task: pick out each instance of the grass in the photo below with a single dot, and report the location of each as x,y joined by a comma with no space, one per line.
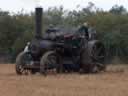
113,82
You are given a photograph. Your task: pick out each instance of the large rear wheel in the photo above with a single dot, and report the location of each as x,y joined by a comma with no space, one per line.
97,53
92,57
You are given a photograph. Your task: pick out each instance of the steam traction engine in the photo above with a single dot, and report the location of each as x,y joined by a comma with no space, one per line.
62,53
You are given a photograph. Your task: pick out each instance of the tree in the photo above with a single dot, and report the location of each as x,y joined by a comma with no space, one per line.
118,10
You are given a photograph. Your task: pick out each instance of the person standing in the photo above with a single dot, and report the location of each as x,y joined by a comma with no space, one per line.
84,30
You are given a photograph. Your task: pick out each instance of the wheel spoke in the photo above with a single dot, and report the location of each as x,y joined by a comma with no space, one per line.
98,53
22,70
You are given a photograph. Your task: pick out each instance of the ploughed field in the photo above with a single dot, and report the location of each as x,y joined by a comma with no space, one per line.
114,82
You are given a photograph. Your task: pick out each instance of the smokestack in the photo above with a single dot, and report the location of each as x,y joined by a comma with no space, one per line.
38,22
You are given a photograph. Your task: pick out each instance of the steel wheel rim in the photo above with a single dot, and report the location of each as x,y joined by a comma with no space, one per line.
25,61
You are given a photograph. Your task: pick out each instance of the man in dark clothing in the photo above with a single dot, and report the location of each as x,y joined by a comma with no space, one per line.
51,29
50,32
84,30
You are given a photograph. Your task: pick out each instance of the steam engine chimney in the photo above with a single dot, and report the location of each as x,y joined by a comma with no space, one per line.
38,22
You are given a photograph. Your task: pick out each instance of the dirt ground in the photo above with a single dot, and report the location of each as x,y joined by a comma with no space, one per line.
114,82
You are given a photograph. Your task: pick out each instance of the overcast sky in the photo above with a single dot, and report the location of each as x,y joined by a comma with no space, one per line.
29,5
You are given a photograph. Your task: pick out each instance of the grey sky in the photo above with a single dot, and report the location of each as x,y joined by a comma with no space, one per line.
29,5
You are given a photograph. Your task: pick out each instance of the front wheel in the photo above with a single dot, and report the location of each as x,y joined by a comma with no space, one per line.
22,60
50,61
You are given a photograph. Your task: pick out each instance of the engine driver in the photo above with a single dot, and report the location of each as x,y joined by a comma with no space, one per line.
84,30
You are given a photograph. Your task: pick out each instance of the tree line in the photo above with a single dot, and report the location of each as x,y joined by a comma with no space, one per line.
111,26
